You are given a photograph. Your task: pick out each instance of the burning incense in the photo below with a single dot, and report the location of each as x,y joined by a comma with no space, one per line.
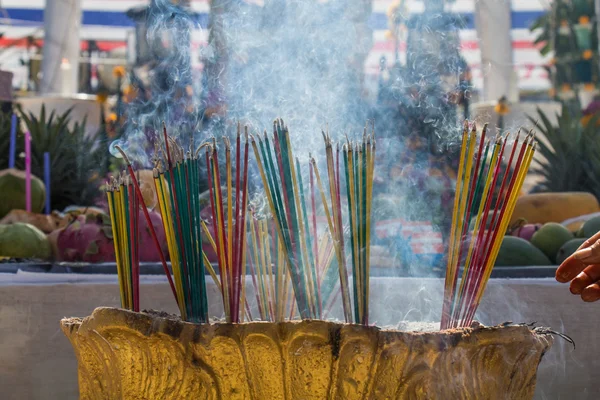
282,180
479,244
358,170
230,239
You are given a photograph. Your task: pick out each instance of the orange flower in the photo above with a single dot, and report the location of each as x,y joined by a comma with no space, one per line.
119,71
389,35
587,55
564,23
588,87
501,107
129,93
102,97
112,117
565,87
584,20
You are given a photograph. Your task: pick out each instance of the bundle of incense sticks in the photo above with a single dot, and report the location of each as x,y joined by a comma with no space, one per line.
123,206
359,162
176,181
482,167
268,269
270,273
283,185
229,222
125,201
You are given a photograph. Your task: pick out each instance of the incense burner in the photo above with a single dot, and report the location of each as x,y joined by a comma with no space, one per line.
127,355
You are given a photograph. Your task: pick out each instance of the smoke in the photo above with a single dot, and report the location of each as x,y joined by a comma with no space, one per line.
300,60
304,61
165,95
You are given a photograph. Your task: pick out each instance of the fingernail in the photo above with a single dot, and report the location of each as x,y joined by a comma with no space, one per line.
575,290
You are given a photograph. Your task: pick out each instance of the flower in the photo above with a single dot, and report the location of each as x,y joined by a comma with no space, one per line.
588,87
565,87
112,117
584,20
119,71
389,35
501,107
102,97
587,54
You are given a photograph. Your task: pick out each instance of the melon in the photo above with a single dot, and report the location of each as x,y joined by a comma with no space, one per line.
590,227
517,252
567,249
21,240
12,187
550,238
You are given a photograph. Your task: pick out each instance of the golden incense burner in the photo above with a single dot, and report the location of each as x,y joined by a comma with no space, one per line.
128,355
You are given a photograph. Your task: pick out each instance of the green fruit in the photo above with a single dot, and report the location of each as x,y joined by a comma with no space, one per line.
12,187
591,227
24,241
550,238
580,234
567,249
515,252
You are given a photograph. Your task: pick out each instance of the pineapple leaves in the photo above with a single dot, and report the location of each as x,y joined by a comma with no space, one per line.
77,158
568,153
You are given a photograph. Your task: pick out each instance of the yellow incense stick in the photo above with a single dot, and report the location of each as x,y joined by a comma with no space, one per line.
221,239
111,210
463,199
123,245
125,239
171,244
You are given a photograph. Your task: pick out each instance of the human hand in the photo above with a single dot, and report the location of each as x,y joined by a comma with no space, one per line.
582,269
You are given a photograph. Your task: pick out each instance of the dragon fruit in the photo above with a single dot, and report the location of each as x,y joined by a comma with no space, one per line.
90,239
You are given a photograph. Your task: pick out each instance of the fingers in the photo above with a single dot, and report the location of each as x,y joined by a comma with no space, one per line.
588,253
590,275
569,269
591,293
